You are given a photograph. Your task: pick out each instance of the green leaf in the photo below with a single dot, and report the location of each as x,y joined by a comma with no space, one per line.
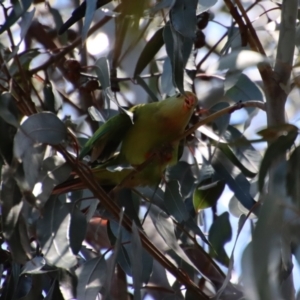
207,193
8,110
273,132
25,59
178,49
119,236
293,177
29,287
54,292
161,5
9,116
238,61
165,228
54,170
136,261
58,22
248,158
149,51
167,86
77,230
264,254
103,72
11,206
18,10
34,266
174,202
182,172
112,266
223,121
236,208
140,81
275,150
124,260
204,5
42,127
219,234
88,18
236,181
67,284
193,226
235,160
32,161
183,17
130,204
91,278
154,195
243,90
52,102
52,234
25,23
234,40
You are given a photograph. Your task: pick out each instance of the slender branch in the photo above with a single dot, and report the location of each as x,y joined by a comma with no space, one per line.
254,36
66,50
222,112
212,49
114,209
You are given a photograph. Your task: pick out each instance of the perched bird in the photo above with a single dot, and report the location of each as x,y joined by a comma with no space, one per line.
151,134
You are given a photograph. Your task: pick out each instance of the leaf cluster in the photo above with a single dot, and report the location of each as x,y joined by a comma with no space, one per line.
103,242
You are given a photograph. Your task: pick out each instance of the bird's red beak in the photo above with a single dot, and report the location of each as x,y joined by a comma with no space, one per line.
190,101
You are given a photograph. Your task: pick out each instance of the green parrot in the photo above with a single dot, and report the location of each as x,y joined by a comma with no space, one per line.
151,132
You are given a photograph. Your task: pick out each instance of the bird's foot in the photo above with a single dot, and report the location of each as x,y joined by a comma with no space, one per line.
164,153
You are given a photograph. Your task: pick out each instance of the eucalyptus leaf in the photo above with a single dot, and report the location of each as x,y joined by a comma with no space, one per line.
140,81
219,234
11,206
277,148
42,127
165,228
136,262
150,50
91,278
223,121
293,176
236,181
183,17
103,72
7,113
204,5
178,49
25,23
162,5
184,173
77,230
67,284
54,170
34,266
207,194
52,234
19,9
89,14
167,86
174,202
238,61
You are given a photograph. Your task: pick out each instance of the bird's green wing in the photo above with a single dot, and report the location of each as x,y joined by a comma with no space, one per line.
107,138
